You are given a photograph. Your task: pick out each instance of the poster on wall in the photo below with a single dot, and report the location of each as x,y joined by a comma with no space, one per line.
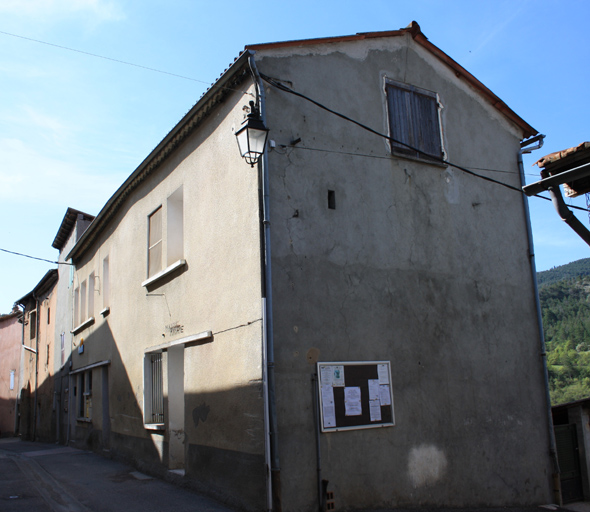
355,395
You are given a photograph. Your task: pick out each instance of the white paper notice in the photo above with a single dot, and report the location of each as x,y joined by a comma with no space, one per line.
383,373
338,376
374,389
384,394
375,410
328,409
352,401
326,375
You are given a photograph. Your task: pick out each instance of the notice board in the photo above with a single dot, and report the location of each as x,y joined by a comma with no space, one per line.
355,395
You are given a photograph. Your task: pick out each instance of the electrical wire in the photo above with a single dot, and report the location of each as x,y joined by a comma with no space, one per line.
119,61
35,258
278,85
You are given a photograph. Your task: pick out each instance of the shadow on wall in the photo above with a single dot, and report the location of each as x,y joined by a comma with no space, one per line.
220,436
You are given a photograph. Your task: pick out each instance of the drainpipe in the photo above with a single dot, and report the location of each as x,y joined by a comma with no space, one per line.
564,212
552,445
274,485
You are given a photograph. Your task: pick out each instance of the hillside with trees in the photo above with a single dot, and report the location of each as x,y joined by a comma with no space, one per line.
565,302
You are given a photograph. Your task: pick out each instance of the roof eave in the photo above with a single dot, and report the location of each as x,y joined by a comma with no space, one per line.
413,29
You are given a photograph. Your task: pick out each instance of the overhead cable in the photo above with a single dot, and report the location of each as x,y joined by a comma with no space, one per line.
35,258
278,85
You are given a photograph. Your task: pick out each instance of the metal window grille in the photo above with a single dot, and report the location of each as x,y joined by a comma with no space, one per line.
157,389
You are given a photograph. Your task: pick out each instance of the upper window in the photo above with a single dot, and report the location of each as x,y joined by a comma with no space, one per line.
155,242
413,121
33,325
165,235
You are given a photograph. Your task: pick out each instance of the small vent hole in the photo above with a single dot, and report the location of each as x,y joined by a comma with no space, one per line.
331,200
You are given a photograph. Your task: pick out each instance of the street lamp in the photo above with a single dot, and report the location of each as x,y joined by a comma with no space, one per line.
252,136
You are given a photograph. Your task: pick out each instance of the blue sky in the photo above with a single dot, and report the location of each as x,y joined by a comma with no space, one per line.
73,126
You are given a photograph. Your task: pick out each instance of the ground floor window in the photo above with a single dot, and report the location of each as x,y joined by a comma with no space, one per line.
83,394
153,388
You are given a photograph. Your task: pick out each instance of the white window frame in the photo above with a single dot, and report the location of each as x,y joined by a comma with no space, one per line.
169,243
154,383
106,286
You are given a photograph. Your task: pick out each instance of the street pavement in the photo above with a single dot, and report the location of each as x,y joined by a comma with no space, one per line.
39,477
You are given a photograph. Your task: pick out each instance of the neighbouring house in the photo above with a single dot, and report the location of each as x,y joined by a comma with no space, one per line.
245,326
70,230
572,434
10,350
571,168
36,412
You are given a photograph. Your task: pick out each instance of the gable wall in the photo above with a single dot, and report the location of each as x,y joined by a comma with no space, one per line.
420,265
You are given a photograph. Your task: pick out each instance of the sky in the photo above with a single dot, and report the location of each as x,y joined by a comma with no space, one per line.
73,126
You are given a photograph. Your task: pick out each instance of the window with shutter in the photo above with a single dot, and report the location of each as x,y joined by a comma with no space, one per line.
413,121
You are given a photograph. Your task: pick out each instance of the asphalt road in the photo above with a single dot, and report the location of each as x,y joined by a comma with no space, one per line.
37,477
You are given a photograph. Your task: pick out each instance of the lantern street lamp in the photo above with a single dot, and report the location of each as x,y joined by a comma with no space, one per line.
252,136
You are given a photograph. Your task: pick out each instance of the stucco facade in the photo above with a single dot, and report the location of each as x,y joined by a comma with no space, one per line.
36,412
10,348
70,230
418,264
366,256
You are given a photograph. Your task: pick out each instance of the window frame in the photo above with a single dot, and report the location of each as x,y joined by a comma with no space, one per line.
84,396
420,119
154,406
170,244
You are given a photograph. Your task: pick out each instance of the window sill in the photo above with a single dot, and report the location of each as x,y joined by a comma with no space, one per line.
105,311
83,325
154,426
422,159
84,420
163,273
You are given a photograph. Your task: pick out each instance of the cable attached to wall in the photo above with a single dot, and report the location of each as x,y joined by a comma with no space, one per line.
282,87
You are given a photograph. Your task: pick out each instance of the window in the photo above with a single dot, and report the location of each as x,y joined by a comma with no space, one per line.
413,120
83,292
153,394
91,284
84,395
84,304
105,283
32,325
62,338
76,306
12,378
155,242
166,238
175,250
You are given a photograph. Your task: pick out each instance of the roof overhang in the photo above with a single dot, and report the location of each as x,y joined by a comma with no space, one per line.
225,84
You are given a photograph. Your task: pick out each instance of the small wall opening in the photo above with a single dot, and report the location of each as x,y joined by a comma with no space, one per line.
331,200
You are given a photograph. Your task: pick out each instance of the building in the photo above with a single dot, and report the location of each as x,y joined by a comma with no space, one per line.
208,293
572,433
36,410
70,230
10,348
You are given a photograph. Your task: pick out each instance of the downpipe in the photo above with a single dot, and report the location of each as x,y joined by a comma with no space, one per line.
565,213
274,479
552,445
